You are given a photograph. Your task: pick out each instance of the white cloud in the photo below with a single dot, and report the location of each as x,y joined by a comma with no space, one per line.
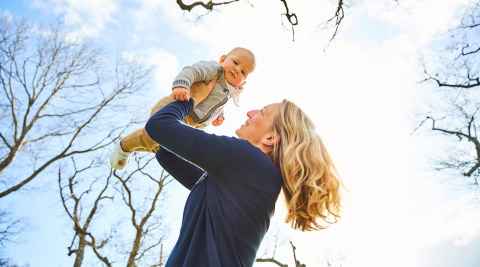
422,20
165,67
86,17
6,15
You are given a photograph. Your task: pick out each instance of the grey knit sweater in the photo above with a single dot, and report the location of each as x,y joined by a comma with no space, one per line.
205,71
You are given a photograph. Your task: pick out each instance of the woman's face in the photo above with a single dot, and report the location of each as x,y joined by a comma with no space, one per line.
258,127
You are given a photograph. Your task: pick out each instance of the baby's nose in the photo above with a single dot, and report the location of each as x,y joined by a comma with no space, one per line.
238,69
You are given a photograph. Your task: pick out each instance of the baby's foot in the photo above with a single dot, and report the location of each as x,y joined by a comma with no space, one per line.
118,158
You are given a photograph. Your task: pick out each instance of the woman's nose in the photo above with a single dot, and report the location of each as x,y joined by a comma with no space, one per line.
252,113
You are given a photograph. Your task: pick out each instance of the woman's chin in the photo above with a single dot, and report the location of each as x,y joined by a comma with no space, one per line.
237,131
240,132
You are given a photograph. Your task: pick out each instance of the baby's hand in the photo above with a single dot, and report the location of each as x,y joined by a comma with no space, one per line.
180,94
218,121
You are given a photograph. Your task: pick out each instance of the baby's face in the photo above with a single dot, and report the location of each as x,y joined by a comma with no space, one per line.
237,65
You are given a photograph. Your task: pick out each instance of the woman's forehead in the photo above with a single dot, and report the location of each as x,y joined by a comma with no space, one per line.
270,108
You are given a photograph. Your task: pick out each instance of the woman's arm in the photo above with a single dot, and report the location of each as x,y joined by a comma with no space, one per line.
183,171
208,151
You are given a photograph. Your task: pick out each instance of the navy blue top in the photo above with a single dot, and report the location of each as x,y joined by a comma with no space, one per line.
228,210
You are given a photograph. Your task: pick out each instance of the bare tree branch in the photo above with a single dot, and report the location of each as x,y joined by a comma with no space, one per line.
141,227
292,18
9,228
272,260
208,6
39,109
278,263
338,18
470,137
466,84
81,230
469,167
472,17
471,52
95,248
297,262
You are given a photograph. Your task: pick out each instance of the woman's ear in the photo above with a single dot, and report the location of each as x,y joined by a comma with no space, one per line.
270,140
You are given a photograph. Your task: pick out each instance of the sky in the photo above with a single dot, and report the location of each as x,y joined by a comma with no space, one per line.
361,90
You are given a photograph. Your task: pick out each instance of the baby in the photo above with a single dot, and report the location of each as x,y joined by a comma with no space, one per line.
227,77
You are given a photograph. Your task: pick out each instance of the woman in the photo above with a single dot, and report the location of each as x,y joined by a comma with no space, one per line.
235,182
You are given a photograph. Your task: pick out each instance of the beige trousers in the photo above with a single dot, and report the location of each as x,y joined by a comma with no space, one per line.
139,140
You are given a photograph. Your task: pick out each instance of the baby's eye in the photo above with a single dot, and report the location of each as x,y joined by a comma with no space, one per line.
243,73
234,61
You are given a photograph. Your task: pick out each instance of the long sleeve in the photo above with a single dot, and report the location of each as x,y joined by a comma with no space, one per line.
184,172
209,152
200,71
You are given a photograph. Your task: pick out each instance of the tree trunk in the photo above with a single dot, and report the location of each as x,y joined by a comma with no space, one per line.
80,251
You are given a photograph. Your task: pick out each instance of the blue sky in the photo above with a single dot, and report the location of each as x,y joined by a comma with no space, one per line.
361,92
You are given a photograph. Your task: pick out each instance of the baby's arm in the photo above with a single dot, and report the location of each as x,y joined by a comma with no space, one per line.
180,93
200,71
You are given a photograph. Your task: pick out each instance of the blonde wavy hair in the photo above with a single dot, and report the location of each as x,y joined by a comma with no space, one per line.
310,182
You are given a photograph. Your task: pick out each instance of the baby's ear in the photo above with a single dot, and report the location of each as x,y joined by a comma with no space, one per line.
241,85
222,58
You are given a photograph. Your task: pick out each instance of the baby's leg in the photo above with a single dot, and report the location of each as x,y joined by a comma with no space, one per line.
138,140
161,103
